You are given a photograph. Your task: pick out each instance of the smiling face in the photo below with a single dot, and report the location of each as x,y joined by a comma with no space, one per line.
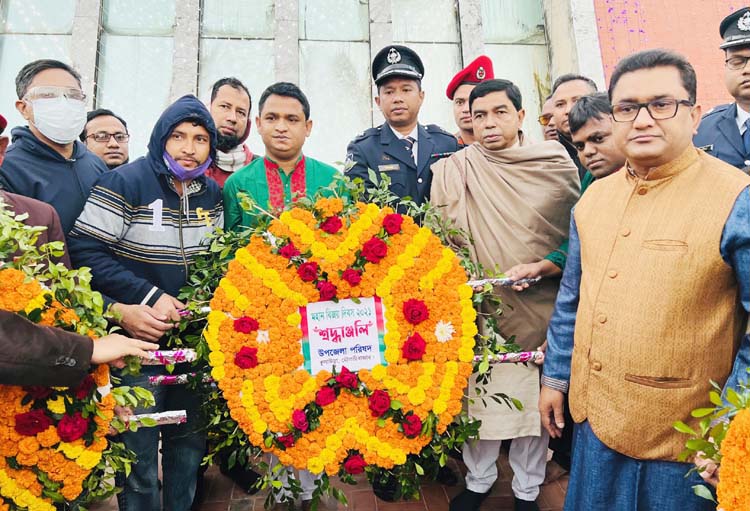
400,100
737,81
596,147
283,127
189,144
496,121
645,142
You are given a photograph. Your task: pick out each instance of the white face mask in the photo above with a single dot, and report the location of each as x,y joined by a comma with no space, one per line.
59,119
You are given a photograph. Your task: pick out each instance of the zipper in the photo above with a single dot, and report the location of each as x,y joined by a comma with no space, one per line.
182,244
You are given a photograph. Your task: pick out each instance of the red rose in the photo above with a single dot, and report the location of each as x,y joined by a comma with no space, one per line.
331,225
380,402
325,396
346,378
246,358
374,250
308,271
72,427
286,440
392,223
38,392
84,389
414,347
32,422
352,276
415,311
288,250
412,426
246,324
355,464
299,420
327,291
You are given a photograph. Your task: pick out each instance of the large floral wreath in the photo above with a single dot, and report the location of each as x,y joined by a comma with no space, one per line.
53,449
341,421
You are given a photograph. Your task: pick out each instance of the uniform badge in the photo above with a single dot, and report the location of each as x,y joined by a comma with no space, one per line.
388,168
744,22
481,73
349,162
394,57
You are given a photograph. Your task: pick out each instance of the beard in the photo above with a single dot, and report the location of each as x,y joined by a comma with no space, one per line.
225,143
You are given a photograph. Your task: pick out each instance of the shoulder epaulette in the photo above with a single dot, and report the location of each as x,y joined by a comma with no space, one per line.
367,133
717,110
434,128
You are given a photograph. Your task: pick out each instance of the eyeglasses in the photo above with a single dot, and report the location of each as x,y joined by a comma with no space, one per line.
51,92
103,137
545,119
736,63
658,109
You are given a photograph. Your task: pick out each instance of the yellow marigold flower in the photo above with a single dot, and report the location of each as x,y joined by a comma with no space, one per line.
294,319
315,465
56,405
416,396
327,456
465,354
260,426
216,358
378,372
71,451
89,459
391,355
218,373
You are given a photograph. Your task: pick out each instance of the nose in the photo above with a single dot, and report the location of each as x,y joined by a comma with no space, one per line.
232,116
589,150
189,146
113,143
643,118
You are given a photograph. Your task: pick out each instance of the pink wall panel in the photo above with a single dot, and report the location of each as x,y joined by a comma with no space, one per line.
690,27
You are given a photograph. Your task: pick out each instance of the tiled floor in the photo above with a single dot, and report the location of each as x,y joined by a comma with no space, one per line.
222,495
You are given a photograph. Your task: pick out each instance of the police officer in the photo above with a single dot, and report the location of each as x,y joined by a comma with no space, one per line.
401,148
459,88
723,132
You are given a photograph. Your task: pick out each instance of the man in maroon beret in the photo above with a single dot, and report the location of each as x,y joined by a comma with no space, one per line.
458,91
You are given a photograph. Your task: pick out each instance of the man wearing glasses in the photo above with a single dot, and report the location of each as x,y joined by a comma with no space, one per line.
724,132
547,119
106,135
655,293
45,160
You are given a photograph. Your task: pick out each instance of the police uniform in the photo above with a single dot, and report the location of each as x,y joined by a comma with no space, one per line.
381,150
719,133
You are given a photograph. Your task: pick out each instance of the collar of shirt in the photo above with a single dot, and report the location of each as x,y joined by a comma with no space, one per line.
194,187
415,133
742,116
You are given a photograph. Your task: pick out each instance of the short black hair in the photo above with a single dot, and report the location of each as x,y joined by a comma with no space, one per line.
290,91
27,73
497,85
650,59
101,112
572,77
591,106
235,84
391,78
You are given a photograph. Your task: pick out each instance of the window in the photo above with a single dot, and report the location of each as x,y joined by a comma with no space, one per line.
135,64
31,30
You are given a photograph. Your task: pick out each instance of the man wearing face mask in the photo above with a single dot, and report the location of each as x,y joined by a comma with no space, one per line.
46,161
139,231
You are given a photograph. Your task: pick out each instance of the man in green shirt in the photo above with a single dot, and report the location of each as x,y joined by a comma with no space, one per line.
591,134
284,174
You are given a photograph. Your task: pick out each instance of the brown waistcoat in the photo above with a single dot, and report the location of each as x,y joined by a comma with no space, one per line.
659,314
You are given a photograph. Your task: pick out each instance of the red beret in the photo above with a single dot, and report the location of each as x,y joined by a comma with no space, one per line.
3,124
478,71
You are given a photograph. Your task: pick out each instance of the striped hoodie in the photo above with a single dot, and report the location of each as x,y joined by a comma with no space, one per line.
136,233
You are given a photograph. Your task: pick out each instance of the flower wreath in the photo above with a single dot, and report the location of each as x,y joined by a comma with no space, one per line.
52,439
342,420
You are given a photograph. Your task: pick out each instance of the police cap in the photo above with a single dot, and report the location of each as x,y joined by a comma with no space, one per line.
735,29
396,60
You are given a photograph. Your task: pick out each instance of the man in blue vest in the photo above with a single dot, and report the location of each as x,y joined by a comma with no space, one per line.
723,132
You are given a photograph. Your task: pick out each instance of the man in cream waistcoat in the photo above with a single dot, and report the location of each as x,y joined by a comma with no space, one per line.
514,199
654,297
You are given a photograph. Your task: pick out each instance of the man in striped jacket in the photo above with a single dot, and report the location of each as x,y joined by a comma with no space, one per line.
139,231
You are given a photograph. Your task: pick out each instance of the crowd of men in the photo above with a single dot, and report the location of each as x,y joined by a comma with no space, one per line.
647,270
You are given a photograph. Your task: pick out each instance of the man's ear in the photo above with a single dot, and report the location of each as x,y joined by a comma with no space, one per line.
4,141
308,126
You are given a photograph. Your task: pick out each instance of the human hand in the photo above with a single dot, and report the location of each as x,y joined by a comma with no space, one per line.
123,413
112,349
543,348
142,321
543,268
169,306
708,469
551,408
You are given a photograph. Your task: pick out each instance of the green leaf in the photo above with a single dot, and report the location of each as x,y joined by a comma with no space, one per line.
419,469
715,398
684,428
702,491
396,405
702,412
